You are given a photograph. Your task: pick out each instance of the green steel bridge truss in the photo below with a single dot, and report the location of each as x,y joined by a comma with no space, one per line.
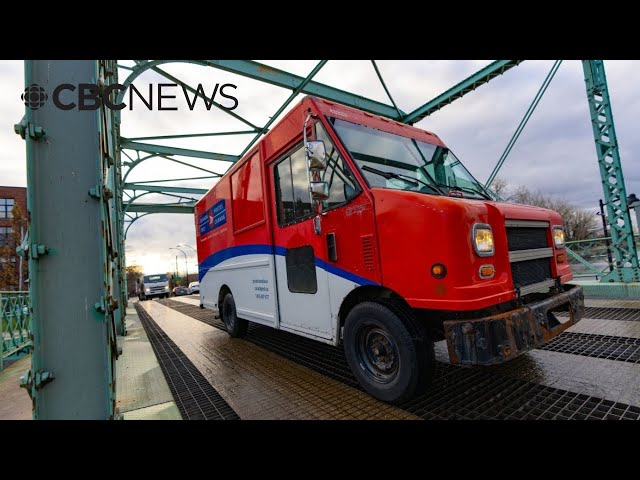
100,196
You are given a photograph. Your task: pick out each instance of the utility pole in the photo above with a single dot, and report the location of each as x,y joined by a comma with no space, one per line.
606,235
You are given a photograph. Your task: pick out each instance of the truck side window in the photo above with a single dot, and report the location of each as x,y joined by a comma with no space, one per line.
342,184
292,188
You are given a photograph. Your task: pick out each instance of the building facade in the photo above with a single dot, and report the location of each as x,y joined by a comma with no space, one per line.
13,226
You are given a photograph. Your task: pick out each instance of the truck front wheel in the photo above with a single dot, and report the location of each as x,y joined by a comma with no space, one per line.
389,355
236,327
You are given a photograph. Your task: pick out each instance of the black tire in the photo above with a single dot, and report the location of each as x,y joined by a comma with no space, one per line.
236,327
389,354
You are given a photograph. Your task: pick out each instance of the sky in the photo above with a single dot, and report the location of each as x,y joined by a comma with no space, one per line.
555,153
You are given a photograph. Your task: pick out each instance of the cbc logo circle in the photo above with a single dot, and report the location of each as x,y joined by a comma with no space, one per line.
34,96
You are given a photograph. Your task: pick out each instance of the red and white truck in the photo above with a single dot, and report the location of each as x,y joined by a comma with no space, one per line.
346,227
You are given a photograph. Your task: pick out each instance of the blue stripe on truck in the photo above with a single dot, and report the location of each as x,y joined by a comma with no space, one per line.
232,252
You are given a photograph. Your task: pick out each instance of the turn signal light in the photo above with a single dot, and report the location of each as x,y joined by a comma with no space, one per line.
486,271
561,258
438,270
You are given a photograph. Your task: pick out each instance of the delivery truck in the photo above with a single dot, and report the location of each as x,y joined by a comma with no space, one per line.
356,230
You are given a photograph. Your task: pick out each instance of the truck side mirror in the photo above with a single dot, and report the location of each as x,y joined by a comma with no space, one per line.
319,190
316,155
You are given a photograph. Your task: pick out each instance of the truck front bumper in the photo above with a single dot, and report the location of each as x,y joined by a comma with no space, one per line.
499,338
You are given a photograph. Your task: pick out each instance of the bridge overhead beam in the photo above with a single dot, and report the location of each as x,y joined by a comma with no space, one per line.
281,78
461,89
163,188
160,208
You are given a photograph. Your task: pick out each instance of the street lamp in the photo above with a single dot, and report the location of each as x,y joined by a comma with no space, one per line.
186,245
185,260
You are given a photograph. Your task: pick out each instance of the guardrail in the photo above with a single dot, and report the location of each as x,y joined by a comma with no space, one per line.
15,323
592,257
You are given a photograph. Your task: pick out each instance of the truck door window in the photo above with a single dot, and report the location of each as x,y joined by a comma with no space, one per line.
292,188
342,184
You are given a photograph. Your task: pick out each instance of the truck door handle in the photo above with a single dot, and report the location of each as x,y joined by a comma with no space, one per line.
332,253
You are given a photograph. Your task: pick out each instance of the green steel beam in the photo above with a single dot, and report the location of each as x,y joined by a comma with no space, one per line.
461,89
384,85
523,122
142,66
623,246
185,152
161,208
291,98
163,189
578,258
140,182
193,135
281,78
132,221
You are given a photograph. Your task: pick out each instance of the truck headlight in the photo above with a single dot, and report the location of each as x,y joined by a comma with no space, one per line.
147,290
483,239
166,287
558,237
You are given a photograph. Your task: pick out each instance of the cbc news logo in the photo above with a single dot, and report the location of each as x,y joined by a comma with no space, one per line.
34,96
89,96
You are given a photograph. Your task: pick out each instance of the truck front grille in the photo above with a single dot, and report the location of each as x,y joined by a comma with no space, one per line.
530,254
529,272
526,238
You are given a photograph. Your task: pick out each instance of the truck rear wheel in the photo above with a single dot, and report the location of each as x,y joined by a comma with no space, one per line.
236,327
390,356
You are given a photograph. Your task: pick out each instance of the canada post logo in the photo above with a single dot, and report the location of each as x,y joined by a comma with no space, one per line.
213,218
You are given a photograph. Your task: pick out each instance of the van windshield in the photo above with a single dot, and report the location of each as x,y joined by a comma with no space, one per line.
155,278
392,161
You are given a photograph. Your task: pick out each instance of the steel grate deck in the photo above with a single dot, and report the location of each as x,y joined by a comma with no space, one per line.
195,397
457,392
626,314
621,349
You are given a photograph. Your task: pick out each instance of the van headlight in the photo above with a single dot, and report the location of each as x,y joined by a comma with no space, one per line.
147,290
483,240
558,237
166,288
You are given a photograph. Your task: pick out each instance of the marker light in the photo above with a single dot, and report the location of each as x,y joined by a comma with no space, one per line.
438,270
486,271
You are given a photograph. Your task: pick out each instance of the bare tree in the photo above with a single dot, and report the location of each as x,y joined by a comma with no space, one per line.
133,274
499,187
579,223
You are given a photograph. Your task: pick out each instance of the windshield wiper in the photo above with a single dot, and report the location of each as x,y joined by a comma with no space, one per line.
465,189
405,178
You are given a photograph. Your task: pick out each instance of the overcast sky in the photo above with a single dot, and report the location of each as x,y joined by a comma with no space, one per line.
555,153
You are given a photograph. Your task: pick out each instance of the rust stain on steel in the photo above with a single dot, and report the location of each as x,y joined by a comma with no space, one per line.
499,338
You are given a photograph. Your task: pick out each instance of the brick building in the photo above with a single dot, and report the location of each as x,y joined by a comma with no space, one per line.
9,198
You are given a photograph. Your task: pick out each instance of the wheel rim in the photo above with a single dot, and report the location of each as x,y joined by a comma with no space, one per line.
229,315
377,353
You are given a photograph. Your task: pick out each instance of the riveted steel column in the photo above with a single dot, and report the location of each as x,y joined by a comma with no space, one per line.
72,374
627,267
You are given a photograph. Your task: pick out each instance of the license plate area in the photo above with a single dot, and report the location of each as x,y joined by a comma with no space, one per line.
559,315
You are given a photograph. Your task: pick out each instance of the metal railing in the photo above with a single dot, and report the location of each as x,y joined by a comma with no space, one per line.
591,257
15,323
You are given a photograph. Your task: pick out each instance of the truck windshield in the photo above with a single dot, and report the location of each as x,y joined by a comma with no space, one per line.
155,278
405,163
